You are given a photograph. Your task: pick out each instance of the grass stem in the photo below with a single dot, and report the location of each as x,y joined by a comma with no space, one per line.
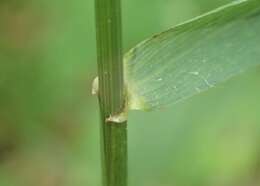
111,91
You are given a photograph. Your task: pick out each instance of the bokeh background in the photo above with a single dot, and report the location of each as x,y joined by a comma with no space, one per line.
49,123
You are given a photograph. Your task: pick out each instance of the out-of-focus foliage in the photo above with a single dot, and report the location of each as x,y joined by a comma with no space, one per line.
49,123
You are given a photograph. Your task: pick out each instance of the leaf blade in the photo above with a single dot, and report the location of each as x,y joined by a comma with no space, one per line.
194,56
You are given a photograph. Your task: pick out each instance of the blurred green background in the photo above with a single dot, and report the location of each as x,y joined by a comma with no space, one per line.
49,123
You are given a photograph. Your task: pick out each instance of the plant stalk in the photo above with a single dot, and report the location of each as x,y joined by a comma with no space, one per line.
111,91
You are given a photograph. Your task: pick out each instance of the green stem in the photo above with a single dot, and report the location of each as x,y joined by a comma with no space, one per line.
111,91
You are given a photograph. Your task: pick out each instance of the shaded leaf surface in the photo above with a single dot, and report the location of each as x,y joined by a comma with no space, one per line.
194,56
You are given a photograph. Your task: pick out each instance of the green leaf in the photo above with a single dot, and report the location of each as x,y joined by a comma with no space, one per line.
194,56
